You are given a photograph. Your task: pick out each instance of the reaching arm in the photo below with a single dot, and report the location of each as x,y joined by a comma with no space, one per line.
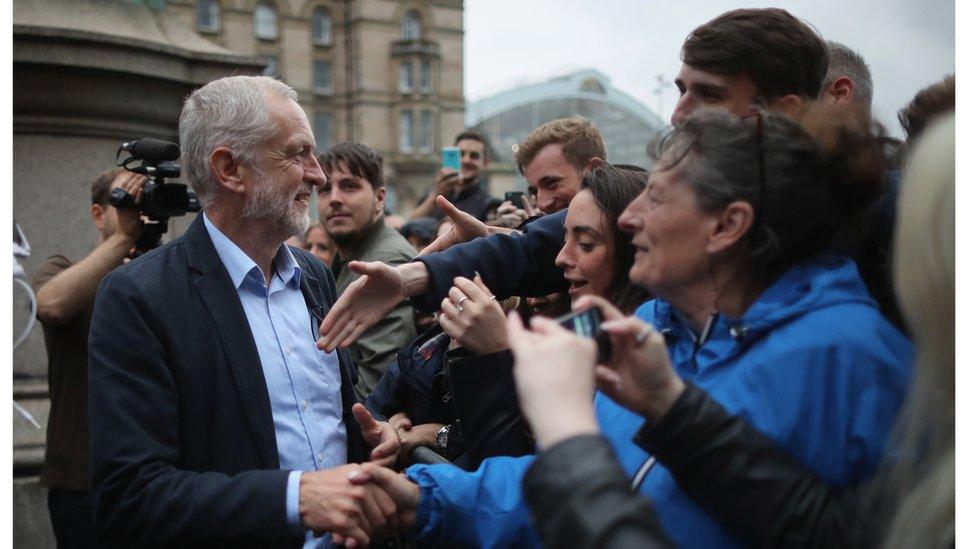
64,296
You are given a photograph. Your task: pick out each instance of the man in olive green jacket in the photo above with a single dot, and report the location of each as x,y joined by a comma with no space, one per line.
350,206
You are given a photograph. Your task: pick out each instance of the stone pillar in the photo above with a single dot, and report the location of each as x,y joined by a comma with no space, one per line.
88,74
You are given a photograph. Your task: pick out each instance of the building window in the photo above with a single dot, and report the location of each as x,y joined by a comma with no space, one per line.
324,131
406,132
208,15
321,27
424,139
270,65
406,77
425,75
410,26
322,71
266,21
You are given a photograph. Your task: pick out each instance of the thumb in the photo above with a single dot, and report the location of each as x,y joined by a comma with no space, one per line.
456,215
364,268
364,418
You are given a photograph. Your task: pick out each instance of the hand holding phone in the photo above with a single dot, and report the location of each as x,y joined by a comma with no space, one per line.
586,323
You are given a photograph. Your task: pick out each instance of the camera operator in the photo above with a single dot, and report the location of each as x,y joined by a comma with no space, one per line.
65,295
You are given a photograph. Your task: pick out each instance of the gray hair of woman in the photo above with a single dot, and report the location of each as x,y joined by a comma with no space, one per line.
801,188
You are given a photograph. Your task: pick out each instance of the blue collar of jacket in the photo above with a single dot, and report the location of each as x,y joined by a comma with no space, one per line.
822,282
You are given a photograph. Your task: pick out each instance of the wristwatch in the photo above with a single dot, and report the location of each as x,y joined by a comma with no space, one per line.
441,439
448,441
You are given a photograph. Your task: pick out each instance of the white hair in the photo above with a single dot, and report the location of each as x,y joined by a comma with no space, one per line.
229,112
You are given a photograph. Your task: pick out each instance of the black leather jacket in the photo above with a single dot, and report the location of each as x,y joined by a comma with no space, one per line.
579,495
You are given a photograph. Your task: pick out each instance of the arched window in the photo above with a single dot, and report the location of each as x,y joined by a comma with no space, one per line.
208,15
321,27
410,26
266,21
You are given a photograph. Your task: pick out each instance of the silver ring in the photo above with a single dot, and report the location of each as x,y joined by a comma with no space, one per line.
645,333
460,301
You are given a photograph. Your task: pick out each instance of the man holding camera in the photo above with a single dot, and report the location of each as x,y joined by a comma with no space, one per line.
65,295
462,187
215,421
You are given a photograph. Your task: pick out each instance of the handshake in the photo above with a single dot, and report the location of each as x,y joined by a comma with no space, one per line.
358,501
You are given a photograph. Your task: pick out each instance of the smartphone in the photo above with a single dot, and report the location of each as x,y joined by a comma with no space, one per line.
451,158
515,197
586,323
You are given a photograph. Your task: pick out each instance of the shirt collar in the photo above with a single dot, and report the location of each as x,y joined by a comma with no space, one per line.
239,265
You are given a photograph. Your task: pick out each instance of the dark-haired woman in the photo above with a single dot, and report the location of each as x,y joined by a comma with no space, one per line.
595,258
729,234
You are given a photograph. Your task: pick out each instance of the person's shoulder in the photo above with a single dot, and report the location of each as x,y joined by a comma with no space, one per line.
49,269
391,246
154,267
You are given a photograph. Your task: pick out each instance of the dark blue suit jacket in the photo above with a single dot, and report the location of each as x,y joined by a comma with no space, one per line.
521,264
182,436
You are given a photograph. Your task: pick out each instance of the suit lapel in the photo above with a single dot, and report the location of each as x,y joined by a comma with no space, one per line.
221,299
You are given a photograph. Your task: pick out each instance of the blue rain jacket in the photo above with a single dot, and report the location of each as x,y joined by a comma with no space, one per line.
812,364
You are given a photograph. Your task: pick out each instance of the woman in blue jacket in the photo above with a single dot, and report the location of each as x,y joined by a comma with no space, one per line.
729,235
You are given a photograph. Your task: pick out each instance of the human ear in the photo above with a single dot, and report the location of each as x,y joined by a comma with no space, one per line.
380,199
788,105
733,225
840,90
98,216
227,169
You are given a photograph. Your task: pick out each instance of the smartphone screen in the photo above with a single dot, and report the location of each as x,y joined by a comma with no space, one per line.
587,324
451,158
515,197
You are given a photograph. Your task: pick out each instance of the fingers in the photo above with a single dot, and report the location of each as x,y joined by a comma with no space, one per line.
449,210
547,326
386,451
439,244
517,334
607,309
481,284
472,290
527,205
631,326
365,419
607,380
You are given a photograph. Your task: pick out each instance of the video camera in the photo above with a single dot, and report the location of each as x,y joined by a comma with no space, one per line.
160,200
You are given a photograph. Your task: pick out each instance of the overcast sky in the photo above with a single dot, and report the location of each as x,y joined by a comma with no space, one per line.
907,44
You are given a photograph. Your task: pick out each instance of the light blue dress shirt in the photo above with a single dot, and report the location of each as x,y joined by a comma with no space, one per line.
304,383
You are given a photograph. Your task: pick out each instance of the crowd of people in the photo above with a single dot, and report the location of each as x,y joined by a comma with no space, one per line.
774,362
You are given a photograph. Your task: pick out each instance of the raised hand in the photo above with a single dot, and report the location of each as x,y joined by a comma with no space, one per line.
466,227
379,435
471,315
554,378
368,299
638,375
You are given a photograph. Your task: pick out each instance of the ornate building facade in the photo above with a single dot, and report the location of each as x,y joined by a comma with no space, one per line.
387,73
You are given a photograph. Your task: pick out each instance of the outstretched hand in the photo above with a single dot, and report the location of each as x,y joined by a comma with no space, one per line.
465,227
638,375
554,378
379,436
367,300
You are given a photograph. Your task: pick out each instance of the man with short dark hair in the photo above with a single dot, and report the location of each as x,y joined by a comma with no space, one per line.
351,209
65,296
554,158
750,57
463,189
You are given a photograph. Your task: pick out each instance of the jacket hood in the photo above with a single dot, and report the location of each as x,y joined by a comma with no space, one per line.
823,282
